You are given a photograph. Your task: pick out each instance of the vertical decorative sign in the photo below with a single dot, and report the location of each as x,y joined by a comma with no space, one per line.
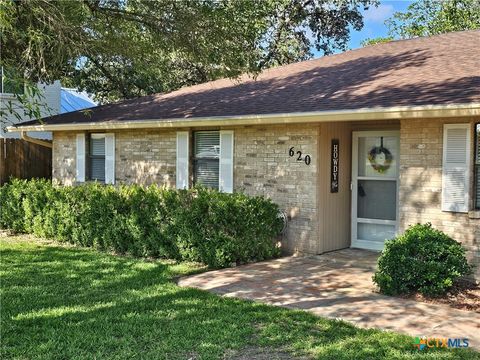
334,166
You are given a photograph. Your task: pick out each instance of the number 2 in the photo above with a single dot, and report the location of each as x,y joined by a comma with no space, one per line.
299,155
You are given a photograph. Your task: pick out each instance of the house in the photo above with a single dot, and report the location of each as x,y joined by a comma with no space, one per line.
55,100
31,156
50,104
73,100
354,147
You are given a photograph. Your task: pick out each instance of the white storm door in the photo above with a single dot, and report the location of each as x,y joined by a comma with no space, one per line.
375,168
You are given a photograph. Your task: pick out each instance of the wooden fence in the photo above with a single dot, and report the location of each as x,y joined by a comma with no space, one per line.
24,160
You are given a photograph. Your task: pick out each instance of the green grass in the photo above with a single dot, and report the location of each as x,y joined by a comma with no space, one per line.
62,302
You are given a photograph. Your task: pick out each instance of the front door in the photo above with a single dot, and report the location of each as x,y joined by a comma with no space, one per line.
375,162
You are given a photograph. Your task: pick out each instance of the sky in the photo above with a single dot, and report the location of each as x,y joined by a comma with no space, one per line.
374,19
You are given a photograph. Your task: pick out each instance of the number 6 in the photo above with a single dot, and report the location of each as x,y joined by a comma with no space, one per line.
291,152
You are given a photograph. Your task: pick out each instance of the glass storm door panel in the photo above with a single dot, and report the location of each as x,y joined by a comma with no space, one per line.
374,188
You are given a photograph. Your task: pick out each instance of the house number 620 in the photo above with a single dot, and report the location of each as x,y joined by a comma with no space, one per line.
307,158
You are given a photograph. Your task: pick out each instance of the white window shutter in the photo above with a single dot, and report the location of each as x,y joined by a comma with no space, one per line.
456,167
110,158
226,161
182,160
80,171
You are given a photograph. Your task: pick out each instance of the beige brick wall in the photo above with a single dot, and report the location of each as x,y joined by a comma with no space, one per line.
145,157
141,156
64,157
421,143
264,167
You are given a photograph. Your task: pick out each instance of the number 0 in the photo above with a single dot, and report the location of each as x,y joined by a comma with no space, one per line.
308,160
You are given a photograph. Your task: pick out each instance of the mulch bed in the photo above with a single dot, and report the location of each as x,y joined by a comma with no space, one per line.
464,295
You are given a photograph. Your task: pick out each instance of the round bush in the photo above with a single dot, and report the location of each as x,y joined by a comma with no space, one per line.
423,260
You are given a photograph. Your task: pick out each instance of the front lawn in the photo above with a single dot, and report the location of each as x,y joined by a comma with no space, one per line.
62,302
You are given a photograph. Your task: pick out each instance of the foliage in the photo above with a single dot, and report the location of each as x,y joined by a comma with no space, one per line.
375,41
60,302
117,49
423,260
25,100
432,17
201,225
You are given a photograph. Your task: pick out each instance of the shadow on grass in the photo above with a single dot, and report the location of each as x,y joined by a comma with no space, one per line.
73,303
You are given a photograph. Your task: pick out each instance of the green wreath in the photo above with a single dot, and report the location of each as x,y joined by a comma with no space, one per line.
372,157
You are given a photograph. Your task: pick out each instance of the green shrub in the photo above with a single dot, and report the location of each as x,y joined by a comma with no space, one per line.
12,213
203,225
423,260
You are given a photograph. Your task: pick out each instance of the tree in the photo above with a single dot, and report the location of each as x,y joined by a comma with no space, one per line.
119,49
374,41
432,17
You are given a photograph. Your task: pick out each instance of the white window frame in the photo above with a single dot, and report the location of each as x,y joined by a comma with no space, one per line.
90,156
211,158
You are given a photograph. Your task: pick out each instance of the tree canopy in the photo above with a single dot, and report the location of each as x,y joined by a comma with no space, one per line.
119,49
431,17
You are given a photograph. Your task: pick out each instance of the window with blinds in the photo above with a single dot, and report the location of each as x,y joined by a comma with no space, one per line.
206,158
97,157
477,166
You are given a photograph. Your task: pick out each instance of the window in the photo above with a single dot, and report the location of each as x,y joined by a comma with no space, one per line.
206,158
10,84
97,157
477,167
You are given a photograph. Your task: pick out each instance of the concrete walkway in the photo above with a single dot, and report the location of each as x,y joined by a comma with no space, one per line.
338,285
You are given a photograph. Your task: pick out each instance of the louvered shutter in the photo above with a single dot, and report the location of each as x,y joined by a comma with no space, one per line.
226,161
182,160
456,160
80,149
110,158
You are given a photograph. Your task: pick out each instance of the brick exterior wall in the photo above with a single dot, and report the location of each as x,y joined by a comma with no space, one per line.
64,158
421,149
146,157
141,156
262,166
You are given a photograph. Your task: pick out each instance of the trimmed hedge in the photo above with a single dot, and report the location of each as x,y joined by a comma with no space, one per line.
201,225
423,260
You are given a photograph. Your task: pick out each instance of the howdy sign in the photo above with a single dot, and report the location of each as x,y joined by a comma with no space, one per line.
334,167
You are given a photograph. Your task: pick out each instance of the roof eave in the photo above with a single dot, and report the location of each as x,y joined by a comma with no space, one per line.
401,112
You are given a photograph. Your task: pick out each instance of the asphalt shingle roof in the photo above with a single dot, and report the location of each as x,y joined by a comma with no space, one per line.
438,70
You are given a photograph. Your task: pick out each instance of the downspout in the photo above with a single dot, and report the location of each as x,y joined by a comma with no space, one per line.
27,138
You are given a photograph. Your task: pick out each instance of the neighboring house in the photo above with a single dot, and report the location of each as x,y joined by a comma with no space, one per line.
50,105
73,100
55,100
354,147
